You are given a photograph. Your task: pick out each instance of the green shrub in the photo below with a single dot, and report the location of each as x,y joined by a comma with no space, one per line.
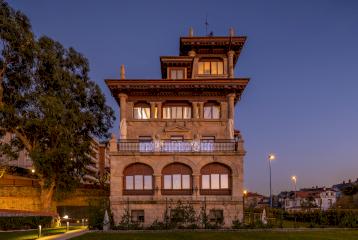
25,222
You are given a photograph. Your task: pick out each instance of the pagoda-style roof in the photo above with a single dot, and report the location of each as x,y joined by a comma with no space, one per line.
176,61
212,45
179,87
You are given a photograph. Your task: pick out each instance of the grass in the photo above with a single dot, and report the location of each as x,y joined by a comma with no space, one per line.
241,235
32,234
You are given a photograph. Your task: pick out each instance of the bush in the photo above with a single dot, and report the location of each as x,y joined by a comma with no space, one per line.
96,213
25,222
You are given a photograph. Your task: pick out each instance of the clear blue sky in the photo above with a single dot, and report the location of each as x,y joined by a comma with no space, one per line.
301,56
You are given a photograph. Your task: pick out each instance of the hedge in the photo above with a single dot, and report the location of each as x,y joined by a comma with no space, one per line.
24,222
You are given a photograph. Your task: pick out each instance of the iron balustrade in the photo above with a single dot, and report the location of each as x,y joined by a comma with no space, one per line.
167,146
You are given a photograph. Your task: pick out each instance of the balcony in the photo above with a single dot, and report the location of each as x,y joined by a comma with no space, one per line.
185,146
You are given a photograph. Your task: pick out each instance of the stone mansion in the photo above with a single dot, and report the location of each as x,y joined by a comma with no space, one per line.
177,137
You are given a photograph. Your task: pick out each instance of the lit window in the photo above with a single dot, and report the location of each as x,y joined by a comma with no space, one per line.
177,112
211,67
177,73
211,111
141,112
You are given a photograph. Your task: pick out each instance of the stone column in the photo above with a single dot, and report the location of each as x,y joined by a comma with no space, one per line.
159,106
195,110
201,110
231,117
231,107
123,117
152,110
196,184
223,110
230,55
235,188
157,186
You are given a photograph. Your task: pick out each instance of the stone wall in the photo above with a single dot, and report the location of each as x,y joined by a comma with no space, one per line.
27,197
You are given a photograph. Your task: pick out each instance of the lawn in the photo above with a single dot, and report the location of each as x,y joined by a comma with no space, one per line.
32,234
242,235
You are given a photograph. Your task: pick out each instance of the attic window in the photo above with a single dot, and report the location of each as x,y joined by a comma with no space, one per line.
176,73
212,67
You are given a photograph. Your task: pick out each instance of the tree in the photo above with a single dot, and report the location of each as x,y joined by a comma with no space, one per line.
50,103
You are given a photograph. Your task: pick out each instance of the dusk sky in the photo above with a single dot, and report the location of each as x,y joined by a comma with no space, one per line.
301,56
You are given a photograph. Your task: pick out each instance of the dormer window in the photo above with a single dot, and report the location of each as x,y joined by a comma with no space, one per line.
211,67
176,73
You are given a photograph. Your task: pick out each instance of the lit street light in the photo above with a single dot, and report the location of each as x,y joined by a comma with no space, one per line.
294,180
243,205
271,157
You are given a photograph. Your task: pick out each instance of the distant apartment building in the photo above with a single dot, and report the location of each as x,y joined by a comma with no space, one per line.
98,167
23,160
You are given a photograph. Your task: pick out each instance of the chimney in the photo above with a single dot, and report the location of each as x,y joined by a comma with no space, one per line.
231,32
349,181
344,182
191,32
123,72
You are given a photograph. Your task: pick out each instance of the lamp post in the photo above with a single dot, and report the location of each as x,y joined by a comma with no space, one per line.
271,157
294,180
243,205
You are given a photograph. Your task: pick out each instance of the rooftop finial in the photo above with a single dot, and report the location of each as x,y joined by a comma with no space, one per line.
123,72
231,32
191,32
206,25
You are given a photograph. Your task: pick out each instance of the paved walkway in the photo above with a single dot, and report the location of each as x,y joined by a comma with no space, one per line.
65,236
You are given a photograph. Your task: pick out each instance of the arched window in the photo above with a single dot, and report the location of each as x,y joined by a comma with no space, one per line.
138,179
141,111
177,179
211,110
176,110
215,179
211,67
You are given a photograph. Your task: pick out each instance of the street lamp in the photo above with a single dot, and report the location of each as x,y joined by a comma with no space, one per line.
271,157
243,206
294,180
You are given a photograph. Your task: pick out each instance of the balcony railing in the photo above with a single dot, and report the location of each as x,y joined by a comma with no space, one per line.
178,146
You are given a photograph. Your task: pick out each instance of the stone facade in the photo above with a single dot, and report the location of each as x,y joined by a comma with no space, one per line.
177,138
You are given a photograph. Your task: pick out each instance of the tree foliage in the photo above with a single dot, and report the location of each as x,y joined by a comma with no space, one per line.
49,102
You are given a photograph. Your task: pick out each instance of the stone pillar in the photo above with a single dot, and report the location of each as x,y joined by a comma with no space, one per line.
235,188
195,110
123,118
230,55
196,184
157,186
152,110
231,107
159,106
201,110
223,110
